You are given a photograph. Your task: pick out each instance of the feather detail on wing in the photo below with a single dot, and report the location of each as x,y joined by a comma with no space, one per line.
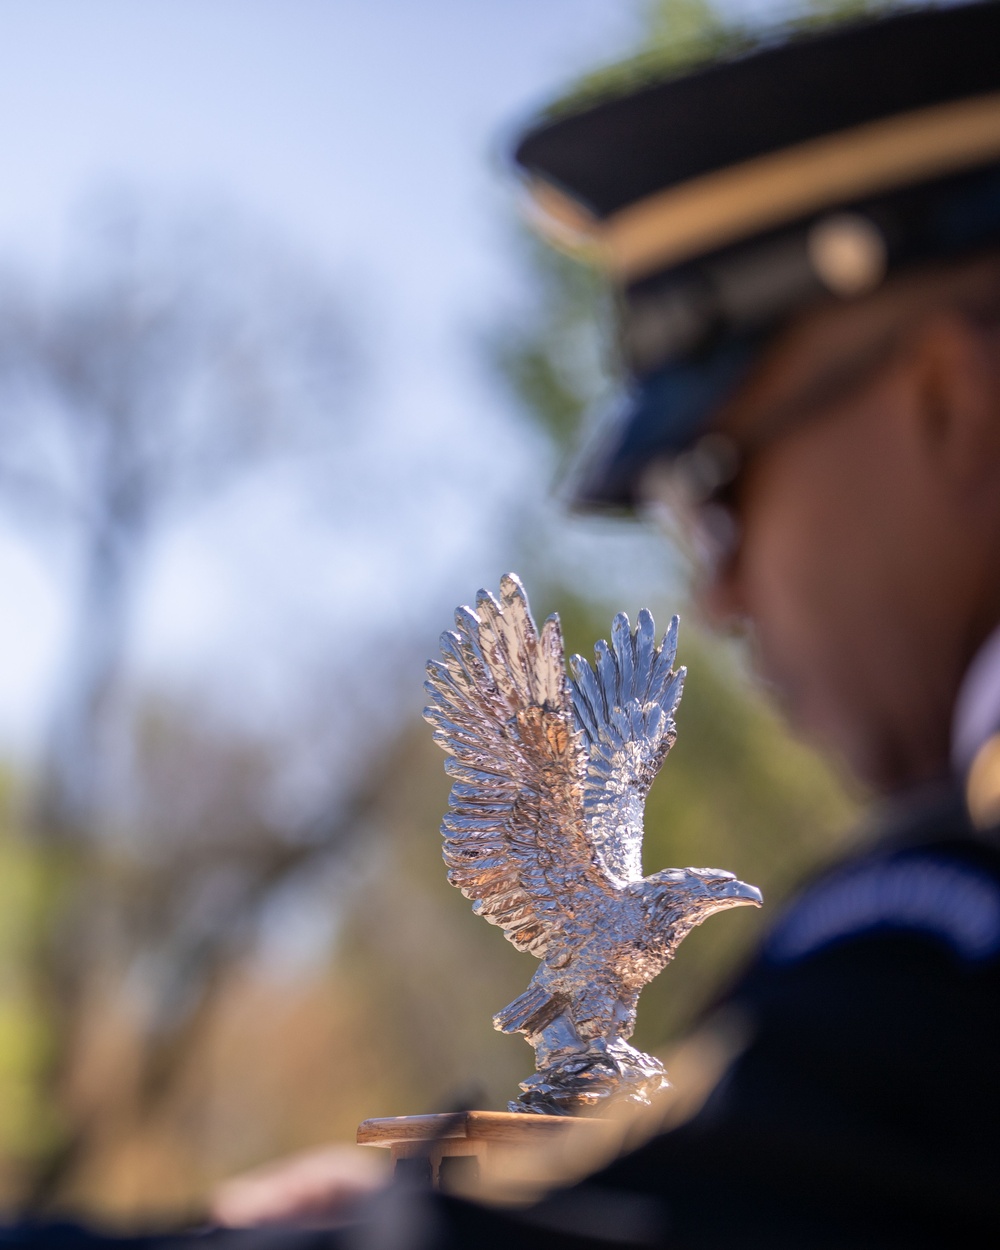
514,836
625,706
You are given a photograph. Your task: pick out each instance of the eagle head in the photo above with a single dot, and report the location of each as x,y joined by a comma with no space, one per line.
684,897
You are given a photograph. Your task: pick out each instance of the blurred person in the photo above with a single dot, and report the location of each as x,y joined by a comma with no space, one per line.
805,241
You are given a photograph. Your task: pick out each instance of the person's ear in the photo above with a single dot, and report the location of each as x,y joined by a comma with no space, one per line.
957,392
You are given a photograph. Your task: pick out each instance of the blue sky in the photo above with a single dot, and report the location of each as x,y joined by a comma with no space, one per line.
369,135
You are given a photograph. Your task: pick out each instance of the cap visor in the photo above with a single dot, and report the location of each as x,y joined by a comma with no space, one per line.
664,415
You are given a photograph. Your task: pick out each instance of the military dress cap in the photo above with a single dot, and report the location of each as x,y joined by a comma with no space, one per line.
725,200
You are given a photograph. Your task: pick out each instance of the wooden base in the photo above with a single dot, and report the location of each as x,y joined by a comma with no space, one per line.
461,1151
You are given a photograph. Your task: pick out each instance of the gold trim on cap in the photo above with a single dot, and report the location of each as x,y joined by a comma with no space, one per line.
561,220
726,205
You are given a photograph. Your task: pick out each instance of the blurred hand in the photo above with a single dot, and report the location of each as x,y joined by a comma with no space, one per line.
318,1187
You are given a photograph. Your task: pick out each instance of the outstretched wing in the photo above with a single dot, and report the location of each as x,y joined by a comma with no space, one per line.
514,838
625,709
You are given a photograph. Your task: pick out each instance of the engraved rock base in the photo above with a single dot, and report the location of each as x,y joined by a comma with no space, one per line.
580,1081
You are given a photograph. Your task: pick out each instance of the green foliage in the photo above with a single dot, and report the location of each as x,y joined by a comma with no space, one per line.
30,885
681,35
556,357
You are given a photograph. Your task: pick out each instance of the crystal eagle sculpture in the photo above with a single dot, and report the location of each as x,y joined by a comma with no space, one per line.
544,833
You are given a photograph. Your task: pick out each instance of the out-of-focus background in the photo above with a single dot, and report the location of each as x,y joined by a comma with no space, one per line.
283,380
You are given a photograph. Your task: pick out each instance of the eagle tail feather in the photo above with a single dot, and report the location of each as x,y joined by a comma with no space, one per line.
530,1012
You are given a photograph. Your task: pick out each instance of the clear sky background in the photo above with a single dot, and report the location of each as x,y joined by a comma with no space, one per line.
370,136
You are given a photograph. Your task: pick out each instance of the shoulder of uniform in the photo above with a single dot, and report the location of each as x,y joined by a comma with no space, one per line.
948,893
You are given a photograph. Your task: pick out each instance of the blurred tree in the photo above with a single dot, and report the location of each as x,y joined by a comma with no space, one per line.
168,359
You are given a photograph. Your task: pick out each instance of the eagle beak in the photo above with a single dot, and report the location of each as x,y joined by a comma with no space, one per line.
740,894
